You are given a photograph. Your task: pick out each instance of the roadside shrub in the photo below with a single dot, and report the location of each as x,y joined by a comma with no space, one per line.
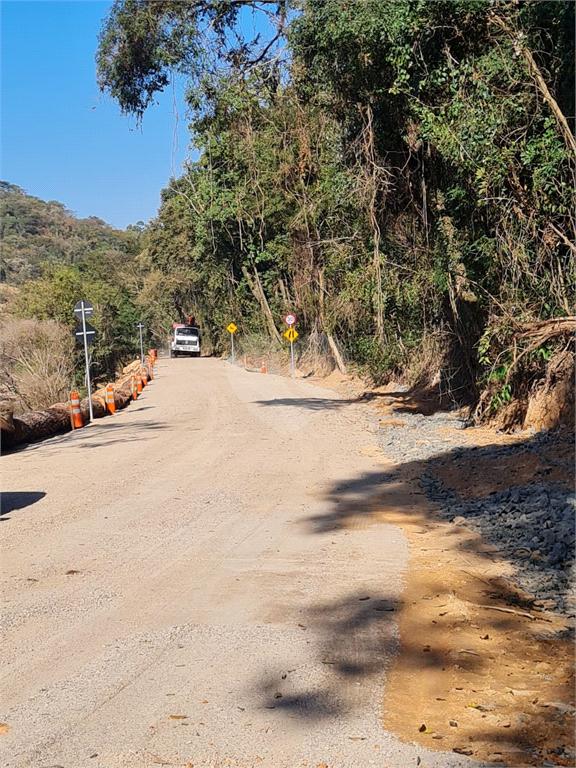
37,359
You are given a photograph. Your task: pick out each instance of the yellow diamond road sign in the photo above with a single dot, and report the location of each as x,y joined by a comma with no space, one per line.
232,328
291,334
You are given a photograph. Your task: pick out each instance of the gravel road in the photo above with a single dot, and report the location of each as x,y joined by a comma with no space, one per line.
169,597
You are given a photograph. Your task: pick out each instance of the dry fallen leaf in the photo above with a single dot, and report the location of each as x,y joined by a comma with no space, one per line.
4,728
178,717
156,759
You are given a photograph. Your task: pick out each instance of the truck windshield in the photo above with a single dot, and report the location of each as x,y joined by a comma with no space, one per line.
187,332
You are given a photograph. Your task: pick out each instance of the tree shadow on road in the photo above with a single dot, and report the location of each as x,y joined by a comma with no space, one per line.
500,497
98,434
15,500
355,639
309,403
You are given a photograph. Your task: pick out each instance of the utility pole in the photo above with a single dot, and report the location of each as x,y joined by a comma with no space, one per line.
140,325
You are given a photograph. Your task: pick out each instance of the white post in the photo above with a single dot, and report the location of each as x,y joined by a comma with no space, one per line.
87,362
292,357
232,340
141,347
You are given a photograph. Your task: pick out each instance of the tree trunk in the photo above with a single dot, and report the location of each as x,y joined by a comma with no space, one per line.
258,292
38,424
98,408
534,70
338,359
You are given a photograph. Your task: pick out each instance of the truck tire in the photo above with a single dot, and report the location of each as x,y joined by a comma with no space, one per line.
172,353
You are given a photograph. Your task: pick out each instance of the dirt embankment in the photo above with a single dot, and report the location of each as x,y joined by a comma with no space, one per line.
486,666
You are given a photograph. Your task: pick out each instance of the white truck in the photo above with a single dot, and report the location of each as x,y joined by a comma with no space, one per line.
185,340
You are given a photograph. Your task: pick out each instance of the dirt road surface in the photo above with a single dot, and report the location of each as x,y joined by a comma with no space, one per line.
176,590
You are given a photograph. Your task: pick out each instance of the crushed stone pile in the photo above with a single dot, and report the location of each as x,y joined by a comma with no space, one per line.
533,526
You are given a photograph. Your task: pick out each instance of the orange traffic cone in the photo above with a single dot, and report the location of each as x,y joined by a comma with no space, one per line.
76,412
139,381
110,404
133,388
244,361
150,366
144,377
263,366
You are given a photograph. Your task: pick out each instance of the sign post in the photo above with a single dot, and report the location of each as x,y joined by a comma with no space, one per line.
291,334
140,325
232,330
82,310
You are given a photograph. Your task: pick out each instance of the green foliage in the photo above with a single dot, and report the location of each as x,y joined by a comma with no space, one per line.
502,397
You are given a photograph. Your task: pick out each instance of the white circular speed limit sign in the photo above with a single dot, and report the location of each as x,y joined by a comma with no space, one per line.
290,320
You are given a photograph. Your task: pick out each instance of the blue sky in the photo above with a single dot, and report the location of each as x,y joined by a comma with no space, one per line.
61,139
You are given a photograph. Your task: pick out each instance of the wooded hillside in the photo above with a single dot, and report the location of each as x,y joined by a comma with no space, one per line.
50,260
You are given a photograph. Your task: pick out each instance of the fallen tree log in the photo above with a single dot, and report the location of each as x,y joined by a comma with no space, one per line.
36,425
132,367
122,397
8,431
98,408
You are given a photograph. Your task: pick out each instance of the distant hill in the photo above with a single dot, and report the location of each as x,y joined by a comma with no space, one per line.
36,233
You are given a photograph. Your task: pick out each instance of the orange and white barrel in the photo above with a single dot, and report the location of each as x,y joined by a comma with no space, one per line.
110,404
263,366
133,388
144,377
76,412
139,381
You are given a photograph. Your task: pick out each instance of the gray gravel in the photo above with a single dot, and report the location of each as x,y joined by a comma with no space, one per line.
532,525
418,439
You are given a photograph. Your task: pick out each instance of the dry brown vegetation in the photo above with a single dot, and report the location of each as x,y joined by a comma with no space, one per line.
37,359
